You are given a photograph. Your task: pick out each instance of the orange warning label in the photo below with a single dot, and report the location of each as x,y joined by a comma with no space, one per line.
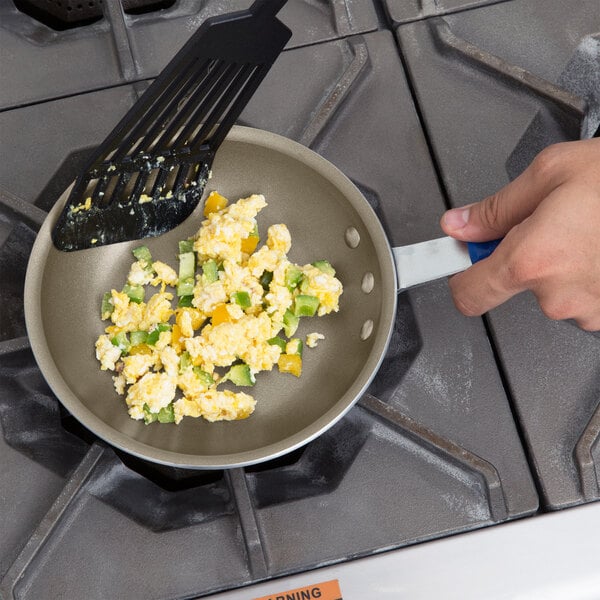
327,590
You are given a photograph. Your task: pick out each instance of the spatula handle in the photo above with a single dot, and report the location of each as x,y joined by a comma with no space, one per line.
267,6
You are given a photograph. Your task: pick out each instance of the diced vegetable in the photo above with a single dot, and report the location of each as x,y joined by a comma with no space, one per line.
325,266
107,306
290,323
294,346
149,417
305,306
138,337
140,349
155,333
240,375
135,292
185,287
221,314
249,244
121,342
198,318
277,341
166,414
265,279
142,253
176,338
210,271
304,285
185,361
186,246
185,301
214,202
293,276
205,378
187,267
242,298
290,363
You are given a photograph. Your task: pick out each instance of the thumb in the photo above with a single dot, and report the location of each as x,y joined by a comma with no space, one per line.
481,221
489,219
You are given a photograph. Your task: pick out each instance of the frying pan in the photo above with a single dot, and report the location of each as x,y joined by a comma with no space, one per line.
328,218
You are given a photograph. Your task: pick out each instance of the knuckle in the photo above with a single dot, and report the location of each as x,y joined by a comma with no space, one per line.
466,308
464,305
556,310
528,263
550,161
521,272
588,324
490,212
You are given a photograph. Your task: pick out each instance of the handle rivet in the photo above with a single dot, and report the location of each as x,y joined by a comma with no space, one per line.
366,330
368,282
352,237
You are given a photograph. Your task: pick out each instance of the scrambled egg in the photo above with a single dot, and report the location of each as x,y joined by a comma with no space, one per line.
312,339
225,320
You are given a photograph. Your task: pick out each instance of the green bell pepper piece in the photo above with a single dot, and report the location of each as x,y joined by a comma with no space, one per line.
305,306
277,341
290,323
240,375
242,298
107,306
210,271
135,292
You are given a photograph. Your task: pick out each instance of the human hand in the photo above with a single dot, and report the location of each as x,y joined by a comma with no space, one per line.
550,219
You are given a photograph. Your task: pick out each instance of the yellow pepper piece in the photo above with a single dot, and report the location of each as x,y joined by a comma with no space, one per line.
196,317
176,339
221,314
140,349
249,244
290,363
214,202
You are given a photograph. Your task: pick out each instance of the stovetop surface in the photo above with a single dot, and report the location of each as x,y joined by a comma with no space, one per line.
469,422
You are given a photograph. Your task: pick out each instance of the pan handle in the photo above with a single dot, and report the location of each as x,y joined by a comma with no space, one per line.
480,250
426,261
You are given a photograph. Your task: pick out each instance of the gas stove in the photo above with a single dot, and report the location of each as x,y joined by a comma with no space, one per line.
476,434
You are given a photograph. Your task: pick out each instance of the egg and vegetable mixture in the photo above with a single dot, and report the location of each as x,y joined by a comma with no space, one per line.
230,311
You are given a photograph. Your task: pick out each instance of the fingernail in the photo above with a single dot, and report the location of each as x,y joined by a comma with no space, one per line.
456,218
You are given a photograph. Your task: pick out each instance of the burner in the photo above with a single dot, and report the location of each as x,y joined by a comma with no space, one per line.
68,14
319,468
160,498
14,253
32,425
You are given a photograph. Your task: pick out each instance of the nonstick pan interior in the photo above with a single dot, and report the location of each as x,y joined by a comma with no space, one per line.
63,293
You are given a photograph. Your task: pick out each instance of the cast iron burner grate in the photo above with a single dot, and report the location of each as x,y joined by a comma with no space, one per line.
68,14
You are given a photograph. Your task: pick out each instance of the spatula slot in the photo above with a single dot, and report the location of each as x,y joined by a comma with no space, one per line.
163,148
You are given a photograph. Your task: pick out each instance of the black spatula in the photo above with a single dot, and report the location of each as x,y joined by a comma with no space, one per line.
150,172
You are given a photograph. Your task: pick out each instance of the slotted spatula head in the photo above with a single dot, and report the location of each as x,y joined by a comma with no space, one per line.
150,172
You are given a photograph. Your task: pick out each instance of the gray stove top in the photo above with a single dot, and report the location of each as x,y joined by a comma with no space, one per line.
551,369
451,436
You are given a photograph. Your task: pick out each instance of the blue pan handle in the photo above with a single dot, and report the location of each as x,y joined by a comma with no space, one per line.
480,250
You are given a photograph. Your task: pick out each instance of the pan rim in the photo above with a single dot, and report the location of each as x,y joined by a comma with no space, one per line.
382,333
